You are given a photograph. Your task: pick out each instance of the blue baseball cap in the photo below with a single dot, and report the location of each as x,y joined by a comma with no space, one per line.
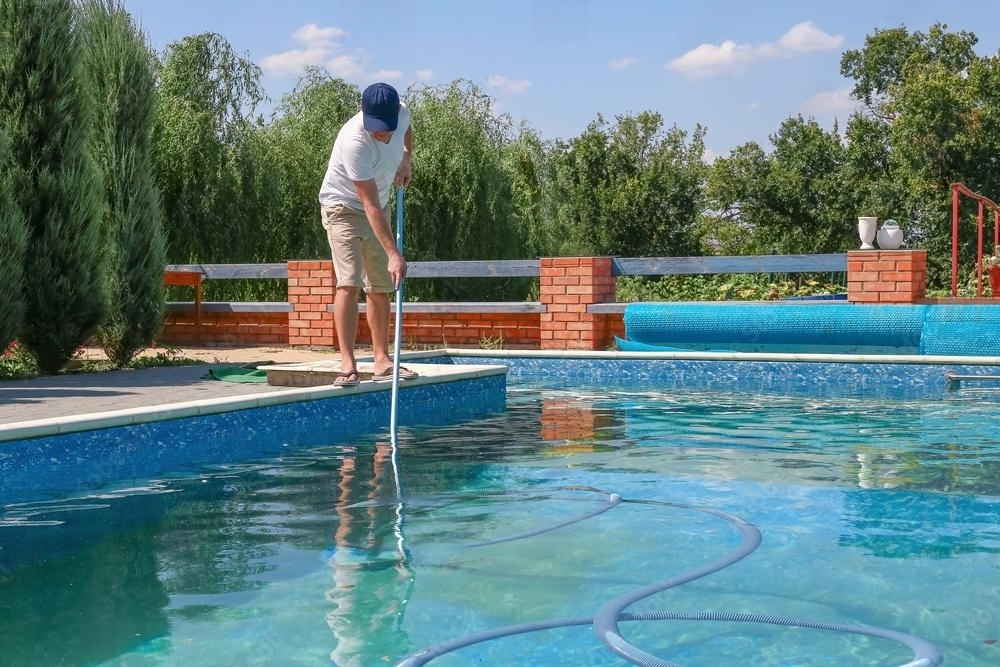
380,108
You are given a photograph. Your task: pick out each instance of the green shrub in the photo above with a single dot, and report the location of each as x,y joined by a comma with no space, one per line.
17,363
728,287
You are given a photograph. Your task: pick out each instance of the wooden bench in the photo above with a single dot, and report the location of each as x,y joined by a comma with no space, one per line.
188,278
183,274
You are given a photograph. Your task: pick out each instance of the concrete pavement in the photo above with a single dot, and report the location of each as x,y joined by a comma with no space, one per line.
75,394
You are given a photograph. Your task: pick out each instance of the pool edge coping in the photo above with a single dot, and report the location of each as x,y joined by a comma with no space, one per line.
888,359
76,423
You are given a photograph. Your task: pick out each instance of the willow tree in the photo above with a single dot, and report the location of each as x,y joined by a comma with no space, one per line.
205,119
300,139
13,238
121,67
459,205
46,109
526,166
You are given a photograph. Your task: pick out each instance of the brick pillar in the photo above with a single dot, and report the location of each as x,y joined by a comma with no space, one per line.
886,276
311,285
567,286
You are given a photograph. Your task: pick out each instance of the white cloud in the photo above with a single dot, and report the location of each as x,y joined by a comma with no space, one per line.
731,58
830,102
320,44
805,37
708,60
314,36
387,75
622,63
425,74
291,62
753,106
708,156
346,66
508,85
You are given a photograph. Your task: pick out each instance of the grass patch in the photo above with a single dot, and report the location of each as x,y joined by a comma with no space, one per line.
16,363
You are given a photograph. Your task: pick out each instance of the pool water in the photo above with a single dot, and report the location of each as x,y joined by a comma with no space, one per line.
871,510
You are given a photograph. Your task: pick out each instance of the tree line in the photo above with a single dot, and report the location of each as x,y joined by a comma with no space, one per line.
115,160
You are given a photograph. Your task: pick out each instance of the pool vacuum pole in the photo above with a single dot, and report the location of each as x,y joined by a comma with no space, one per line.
393,430
399,321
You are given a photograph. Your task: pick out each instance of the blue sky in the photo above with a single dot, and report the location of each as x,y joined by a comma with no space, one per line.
739,68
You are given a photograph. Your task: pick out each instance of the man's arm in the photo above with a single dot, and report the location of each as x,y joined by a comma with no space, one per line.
368,193
404,174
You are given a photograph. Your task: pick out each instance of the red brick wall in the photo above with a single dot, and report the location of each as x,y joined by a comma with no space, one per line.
614,325
567,286
468,329
507,330
226,328
886,276
311,285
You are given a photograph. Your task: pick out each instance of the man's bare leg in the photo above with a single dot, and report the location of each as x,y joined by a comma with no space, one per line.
378,322
345,321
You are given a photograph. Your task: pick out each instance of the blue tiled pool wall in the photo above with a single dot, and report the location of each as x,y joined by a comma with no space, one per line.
938,329
47,467
778,377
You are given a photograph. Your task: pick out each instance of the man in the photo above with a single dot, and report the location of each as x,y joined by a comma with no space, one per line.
370,155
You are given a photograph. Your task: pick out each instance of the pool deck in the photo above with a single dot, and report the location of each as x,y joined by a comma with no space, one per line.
73,402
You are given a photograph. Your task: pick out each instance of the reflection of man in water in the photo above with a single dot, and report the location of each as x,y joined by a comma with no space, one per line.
372,580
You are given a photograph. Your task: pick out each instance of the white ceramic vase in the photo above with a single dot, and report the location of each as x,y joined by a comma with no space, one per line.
866,230
890,237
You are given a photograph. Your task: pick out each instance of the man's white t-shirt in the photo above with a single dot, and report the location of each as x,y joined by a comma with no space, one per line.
357,156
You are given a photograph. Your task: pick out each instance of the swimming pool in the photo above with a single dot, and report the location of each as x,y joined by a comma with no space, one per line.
875,491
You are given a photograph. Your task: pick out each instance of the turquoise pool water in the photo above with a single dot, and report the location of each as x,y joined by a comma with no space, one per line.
873,508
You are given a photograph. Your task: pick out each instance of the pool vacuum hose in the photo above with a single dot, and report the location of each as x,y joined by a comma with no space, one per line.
605,622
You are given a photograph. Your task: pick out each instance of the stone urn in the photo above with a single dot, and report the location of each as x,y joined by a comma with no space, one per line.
866,230
890,237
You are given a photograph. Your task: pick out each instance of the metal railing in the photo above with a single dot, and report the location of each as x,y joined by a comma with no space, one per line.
957,190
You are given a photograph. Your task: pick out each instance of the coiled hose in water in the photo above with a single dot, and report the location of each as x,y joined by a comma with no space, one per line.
605,622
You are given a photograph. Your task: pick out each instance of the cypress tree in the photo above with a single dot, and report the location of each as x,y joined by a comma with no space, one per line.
13,238
120,65
45,104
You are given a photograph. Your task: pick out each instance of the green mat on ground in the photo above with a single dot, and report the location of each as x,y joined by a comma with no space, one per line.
247,373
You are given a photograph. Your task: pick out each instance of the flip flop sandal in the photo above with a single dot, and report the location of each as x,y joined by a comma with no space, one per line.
404,374
349,379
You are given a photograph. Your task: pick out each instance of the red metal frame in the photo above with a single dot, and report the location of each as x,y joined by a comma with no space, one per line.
958,189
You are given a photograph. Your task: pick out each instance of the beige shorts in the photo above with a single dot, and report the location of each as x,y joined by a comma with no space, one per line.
358,258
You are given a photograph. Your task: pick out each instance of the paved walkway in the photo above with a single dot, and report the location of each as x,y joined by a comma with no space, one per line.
87,393
74,394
